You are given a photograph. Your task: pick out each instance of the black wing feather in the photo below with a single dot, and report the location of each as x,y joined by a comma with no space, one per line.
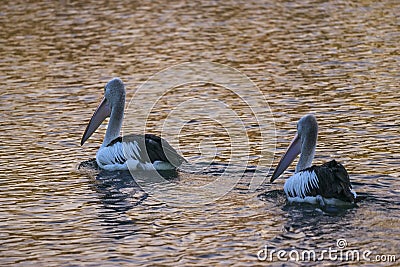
160,149
334,181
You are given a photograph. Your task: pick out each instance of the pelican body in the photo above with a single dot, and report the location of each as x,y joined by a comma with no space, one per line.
328,184
143,152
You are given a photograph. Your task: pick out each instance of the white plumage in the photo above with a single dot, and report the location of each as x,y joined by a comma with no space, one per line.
300,184
126,155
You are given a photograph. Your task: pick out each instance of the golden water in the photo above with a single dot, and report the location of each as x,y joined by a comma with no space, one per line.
339,60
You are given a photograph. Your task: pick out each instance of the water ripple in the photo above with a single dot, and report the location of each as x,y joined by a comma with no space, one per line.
338,60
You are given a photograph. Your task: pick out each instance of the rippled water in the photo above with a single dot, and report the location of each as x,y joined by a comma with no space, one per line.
337,59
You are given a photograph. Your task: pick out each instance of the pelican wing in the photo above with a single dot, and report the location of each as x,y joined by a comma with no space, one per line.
334,181
151,148
160,149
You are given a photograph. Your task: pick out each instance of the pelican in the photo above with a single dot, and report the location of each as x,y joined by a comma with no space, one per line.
328,184
142,152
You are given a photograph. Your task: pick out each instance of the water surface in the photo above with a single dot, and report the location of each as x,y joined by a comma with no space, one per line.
338,60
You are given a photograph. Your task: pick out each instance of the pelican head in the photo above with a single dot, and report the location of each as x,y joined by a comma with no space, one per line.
303,143
111,106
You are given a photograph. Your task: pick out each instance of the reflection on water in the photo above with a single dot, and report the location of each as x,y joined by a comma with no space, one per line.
338,60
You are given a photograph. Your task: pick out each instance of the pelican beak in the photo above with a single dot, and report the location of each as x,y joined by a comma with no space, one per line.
102,112
291,153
